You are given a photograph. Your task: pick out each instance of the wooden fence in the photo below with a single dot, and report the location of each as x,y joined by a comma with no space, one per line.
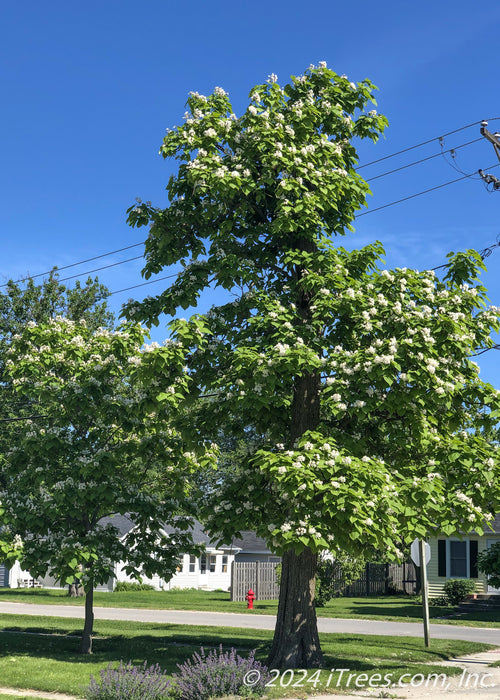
260,576
377,579
381,579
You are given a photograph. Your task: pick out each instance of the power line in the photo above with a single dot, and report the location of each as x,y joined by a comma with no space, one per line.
418,194
80,262
370,211
410,148
423,143
104,267
486,252
422,160
143,284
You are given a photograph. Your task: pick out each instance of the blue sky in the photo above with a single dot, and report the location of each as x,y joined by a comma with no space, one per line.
88,90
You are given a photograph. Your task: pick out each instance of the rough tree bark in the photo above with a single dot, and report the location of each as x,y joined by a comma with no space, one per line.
296,640
88,628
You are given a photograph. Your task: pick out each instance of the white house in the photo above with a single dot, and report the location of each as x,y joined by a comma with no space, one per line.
16,577
211,570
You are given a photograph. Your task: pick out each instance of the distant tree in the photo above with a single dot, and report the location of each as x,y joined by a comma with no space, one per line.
488,563
376,424
334,573
105,410
21,303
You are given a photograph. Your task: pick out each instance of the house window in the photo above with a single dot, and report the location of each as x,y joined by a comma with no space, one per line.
203,564
213,560
180,564
224,563
192,564
457,558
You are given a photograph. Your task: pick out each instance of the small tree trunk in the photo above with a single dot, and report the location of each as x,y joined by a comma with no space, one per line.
75,590
296,640
88,628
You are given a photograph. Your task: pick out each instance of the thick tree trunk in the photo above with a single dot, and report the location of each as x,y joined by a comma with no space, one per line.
88,628
296,641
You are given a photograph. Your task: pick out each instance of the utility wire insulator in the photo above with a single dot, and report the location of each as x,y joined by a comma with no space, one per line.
490,179
494,139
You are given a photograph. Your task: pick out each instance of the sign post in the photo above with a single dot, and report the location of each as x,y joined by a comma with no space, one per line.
421,554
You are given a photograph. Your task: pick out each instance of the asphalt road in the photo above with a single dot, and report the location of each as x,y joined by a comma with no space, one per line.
266,622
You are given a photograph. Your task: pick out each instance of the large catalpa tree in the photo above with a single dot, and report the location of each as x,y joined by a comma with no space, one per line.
373,426
102,432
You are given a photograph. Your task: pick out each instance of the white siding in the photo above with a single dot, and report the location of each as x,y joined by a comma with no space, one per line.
18,577
184,578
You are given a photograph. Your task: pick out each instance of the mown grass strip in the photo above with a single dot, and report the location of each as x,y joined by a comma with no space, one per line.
42,652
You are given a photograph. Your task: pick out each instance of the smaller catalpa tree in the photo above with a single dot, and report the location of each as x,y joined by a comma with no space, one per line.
104,431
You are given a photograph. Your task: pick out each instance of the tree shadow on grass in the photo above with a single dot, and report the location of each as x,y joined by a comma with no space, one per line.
396,607
42,593
167,649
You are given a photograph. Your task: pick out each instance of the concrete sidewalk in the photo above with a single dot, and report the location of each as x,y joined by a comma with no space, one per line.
477,681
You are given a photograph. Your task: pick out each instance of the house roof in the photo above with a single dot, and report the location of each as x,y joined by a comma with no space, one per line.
122,523
199,535
495,524
251,543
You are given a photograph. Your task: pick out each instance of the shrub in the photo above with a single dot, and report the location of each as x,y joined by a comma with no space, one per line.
334,574
218,673
133,586
456,589
439,600
129,683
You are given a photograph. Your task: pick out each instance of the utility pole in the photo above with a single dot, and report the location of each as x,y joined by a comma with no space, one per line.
494,139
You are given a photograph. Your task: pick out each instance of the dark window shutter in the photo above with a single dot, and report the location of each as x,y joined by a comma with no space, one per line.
473,544
442,558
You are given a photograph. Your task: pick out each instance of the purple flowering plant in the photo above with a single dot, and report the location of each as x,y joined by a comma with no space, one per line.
129,683
219,673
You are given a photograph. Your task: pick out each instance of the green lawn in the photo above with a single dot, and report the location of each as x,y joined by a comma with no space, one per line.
40,653
397,608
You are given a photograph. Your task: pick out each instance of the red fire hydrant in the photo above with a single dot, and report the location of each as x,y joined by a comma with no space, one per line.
250,597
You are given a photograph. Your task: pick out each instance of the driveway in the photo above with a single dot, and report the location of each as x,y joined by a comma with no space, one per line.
263,622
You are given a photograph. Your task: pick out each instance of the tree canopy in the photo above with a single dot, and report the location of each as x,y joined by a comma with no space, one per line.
105,423
376,426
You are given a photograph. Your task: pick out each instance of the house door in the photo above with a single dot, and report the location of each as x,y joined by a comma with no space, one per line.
491,590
